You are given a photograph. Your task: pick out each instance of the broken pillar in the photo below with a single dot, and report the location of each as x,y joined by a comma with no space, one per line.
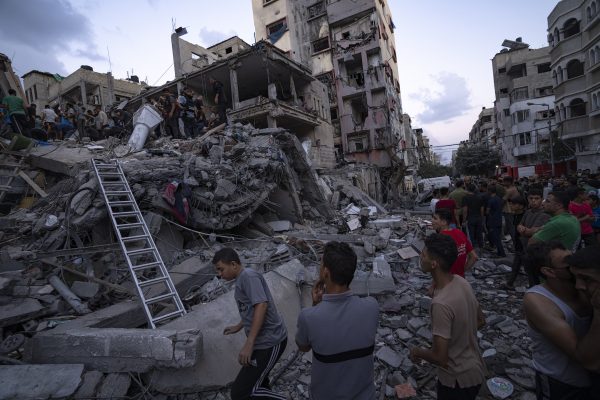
39,381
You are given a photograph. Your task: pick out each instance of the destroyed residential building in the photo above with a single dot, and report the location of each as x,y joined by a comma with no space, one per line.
83,86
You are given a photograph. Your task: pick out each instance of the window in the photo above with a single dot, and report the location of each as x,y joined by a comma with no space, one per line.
506,112
518,71
316,9
545,67
277,27
320,45
267,2
35,96
358,142
520,116
596,101
486,118
544,91
577,108
570,28
574,69
592,57
503,91
334,113
346,35
556,35
524,138
229,50
559,74
521,93
502,70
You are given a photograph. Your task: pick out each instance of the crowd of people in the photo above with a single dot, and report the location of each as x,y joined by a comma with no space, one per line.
184,116
552,228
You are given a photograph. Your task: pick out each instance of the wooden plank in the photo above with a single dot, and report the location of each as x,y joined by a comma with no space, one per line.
213,130
34,185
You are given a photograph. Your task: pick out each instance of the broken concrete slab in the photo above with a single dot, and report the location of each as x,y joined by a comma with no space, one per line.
39,381
218,364
61,159
280,226
117,350
85,290
389,356
20,310
371,284
87,389
114,386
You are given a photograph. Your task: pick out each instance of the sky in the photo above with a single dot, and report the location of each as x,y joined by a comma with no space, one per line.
444,47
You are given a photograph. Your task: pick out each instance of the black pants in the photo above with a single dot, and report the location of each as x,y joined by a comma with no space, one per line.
253,382
547,388
476,232
222,110
19,123
494,233
457,393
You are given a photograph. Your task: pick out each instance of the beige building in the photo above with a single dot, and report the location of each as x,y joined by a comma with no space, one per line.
523,109
483,130
574,37
348,45
84,86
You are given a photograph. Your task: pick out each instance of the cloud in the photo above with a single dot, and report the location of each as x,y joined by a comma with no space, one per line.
450,101
209,37
40,32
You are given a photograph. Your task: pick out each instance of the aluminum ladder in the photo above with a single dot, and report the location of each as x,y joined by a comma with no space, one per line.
152,280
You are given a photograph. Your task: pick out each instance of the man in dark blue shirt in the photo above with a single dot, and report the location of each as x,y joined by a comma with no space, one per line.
494,220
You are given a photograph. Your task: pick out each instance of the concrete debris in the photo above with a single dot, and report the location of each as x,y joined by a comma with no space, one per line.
66,289
39,381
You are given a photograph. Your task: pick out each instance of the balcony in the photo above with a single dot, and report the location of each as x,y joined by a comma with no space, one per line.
565,47
340,11
523,150
562,8
574,127
569,87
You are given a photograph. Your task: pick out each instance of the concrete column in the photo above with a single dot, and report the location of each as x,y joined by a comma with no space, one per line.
176,54
271,122
293,89
235,94
83,92
110,85
272,90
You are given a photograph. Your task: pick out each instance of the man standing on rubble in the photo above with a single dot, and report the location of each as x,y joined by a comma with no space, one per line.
559,326
266,334
15,109
455,318
563,226
340,329
466,254
220,99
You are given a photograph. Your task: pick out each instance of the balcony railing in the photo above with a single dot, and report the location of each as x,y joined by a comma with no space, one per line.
574,127
524,150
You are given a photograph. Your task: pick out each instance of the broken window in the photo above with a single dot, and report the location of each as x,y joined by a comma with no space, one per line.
334,113
506,112
327,80
521,93
502,70
320,45
545,67
277,27
229,50
520,116
544,91
503,91
518,71
346,35
574,69
358,142
570,28
577,107
316,9
486,118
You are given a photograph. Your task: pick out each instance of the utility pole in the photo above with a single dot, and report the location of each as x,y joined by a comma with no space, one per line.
549,133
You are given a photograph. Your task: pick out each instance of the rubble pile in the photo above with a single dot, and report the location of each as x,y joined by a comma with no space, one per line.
68,308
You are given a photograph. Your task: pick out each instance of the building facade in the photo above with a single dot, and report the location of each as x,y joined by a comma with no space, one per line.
523,111
574,38
83,86
483,130
349,46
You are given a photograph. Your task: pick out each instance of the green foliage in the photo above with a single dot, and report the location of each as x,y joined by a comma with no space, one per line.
429,170
476,160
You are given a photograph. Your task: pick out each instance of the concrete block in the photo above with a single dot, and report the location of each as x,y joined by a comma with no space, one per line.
85,290
117,350
19,310
59,159
280,226
87,389
389,356
39,381
218,365
114,386
370,284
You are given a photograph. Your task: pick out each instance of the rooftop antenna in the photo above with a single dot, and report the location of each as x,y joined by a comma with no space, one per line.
109,62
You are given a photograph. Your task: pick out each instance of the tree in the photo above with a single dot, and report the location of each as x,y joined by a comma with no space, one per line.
476,160
430,170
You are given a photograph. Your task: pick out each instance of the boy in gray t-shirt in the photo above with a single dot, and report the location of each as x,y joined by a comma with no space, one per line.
265,331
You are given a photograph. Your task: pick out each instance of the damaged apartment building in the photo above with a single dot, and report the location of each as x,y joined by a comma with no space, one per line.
349,46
